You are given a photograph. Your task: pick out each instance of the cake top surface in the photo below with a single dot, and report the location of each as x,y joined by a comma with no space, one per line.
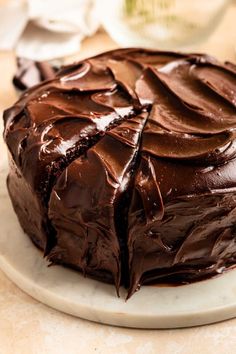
190,98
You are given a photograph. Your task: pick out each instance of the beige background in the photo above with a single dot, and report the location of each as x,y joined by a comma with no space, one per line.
28,327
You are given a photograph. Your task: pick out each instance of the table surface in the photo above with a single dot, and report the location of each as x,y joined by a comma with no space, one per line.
29,327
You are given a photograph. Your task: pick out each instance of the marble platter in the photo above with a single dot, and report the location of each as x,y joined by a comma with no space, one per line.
66,290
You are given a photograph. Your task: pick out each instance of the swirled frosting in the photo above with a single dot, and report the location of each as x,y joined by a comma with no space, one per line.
127,163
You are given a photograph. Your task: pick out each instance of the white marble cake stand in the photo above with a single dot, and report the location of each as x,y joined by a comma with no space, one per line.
66,290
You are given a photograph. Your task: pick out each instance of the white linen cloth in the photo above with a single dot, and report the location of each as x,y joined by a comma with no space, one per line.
46,29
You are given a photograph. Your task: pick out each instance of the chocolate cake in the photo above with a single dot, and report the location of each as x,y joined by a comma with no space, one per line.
123,167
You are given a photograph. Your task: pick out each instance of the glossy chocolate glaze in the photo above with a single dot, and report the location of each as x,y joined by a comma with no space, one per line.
127,163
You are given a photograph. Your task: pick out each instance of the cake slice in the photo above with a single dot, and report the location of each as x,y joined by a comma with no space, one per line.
87,206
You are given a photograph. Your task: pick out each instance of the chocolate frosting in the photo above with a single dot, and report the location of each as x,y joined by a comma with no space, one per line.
128,159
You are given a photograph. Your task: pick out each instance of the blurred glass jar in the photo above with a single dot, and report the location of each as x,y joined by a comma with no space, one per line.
166,24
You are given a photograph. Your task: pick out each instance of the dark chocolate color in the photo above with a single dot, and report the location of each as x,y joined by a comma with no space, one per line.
123,166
